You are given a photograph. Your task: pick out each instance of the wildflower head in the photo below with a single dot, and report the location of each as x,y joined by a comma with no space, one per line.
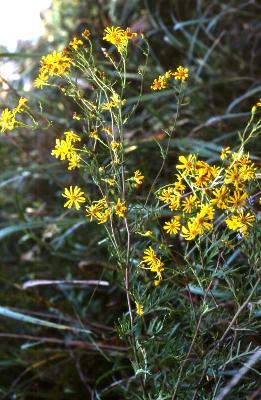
120,208
181,73
75,43
74,197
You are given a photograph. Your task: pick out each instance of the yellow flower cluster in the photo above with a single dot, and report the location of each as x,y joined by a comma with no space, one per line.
53,64
65,150
202,190
119,37
115,102
154,263
8,117
161,82
100,210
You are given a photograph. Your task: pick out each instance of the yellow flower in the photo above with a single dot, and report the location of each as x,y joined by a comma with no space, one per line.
7,120
237,200
94,210
129,34
41,80
220,197
74,196
76,116
104,216
179,187
86,33
224,153
186,163
173,226
74,161
115,145
181,73
175,203
116,36
234,176
71,136
240,222
248,172
159,83
21,104
75,43
139,308
120,208
55,64
189,203
154,263
137,178
111,181
63,149
258,104
93,135
115,102
167,195
191,231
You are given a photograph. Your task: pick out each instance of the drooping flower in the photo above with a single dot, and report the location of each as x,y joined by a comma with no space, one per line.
154,263
72,136
137,178
120,208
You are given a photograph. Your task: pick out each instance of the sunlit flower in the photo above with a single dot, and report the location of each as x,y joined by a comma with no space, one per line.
186,163
75,43
7,120
115,102
237,200
63,149
21,104
116,36
74,161
189,203
54,64
41,80
120,208
72,136
159,83
173,226
220,197
167,195
181,73
75,197
224,153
